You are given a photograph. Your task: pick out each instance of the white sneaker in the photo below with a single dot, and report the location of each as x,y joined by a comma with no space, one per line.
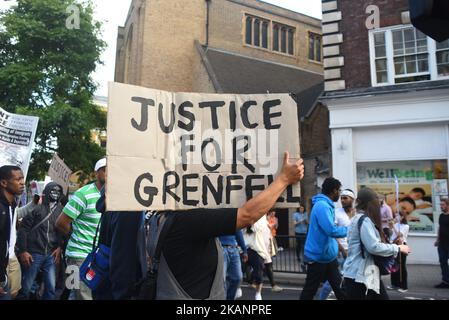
392,288
402,290
239,293
258,296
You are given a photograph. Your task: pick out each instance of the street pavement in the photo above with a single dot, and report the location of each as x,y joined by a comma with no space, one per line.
421,279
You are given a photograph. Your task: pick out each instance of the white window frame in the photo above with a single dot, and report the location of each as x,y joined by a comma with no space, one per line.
431,51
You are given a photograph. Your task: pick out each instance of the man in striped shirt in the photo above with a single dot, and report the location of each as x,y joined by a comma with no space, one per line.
81,218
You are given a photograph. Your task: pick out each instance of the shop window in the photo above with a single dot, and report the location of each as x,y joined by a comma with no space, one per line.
426,182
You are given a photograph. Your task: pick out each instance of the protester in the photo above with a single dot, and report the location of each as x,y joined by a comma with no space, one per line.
301,222
362,279
232,264
399,236
386,215
124,234
271,247
321,248
258,254
191,264
11,186
443,243
81,215
39,243
343,218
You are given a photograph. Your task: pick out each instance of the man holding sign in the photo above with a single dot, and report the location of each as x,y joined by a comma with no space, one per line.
195,158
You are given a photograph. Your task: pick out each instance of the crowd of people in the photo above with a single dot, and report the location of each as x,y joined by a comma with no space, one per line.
201,253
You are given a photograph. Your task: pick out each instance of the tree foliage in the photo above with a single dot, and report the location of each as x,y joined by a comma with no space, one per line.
45,71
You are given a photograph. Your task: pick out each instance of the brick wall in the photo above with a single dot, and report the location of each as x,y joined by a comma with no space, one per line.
355,46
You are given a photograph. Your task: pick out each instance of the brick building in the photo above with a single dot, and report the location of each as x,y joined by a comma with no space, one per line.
230,46
387,91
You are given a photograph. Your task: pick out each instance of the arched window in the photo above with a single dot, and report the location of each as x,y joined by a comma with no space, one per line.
284,39
249,30
265,35
275,37
257,32
291,41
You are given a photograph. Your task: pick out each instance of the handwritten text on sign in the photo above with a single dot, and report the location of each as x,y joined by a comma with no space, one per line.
177,151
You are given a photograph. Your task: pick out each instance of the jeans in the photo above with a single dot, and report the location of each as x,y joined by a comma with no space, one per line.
6,296
399,278
357,291
257,263
319,272
300,241
327,289
232,271
443,254
47,265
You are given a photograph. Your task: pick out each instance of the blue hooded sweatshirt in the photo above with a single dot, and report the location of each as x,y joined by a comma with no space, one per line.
321,245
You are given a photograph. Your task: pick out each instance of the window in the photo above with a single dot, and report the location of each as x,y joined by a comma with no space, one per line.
275,37
442,53
256,32
290,41
249,30
265,35
315,47
282,38
405,54
424,181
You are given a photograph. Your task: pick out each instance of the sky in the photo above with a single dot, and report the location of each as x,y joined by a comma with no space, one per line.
113,14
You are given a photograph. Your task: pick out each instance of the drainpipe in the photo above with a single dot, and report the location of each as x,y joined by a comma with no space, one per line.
207,21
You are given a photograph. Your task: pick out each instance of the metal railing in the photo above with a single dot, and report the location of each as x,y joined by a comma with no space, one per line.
286,259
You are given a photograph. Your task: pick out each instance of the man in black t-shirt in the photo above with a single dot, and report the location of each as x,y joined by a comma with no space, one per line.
443,243
190,248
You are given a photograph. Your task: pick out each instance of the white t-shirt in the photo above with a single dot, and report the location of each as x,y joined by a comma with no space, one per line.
342,220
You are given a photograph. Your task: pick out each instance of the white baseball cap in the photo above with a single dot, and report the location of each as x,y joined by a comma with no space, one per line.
100,164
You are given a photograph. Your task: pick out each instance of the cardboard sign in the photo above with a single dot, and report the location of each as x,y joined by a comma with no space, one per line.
179,151
59,172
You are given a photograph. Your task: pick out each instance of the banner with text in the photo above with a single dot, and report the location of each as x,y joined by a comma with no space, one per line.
16,139
178,151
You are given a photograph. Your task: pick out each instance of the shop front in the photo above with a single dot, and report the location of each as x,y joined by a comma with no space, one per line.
378,138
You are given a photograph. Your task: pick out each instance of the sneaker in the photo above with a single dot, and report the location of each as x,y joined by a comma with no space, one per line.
392,288
276,288
239,293
442,285
258,296
402,290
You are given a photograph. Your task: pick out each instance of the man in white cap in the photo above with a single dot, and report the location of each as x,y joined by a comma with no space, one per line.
343,218
80,218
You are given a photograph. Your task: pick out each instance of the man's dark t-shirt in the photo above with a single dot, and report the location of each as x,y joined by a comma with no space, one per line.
190,249
444,230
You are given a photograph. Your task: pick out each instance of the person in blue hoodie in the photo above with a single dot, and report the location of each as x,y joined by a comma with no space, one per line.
321,247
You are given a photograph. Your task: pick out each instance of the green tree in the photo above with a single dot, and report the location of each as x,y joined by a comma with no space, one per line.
45,71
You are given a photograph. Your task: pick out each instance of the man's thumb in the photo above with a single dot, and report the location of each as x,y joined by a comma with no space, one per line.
286,156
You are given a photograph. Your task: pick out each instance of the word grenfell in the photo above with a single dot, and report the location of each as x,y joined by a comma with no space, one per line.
178,151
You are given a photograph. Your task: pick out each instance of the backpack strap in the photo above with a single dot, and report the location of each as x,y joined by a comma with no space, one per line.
160,225
359,226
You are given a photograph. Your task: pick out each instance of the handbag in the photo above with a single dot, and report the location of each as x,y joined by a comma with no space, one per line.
386,265
95,268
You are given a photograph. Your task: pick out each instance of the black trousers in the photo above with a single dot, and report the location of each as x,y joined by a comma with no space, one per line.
321,272
357,291
399,278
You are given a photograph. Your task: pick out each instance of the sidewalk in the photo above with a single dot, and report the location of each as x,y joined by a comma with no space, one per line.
421,280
